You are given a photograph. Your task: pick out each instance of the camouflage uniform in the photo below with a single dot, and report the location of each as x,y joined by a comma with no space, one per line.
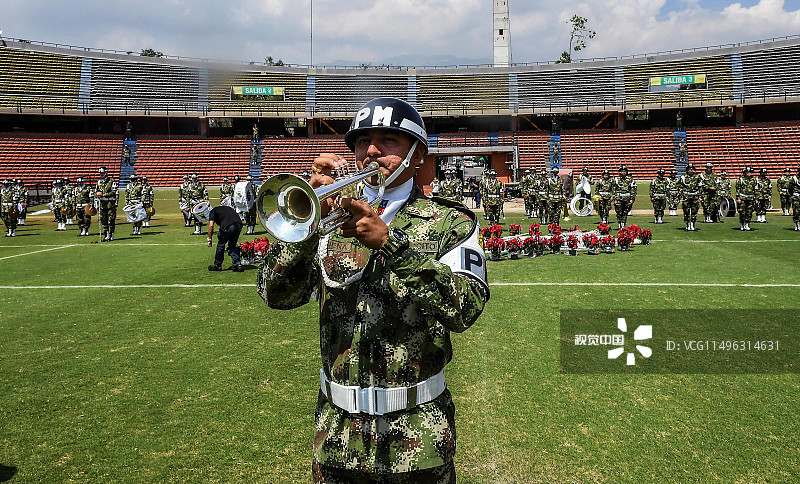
83,198
108,202
658,195
226,191
527,187
183,198
555,198
69,197
451,189
133,196
794,196
690,193
384,322
541,195
745,199
710,182
673,194
624,195
8,204
197,193
763,197
492,199
59,202
22,195
783,191
605,190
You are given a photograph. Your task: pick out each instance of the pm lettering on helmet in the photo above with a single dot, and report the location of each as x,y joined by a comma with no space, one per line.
382,116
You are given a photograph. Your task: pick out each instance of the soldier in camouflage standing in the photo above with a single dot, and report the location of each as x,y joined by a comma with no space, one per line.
492,197
390,348
541,195
183,200
250,216
59,202
22,195
133,196
794,196
69,200
658,196
226,192
710,183
451,187
107,194
197,193
83,198
690,185
8,207
148,199
555,196
745,197
763,196
528,192
605,192
673,193
624,195
783,190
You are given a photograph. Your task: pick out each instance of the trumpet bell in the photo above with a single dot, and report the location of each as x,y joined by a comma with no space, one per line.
288,208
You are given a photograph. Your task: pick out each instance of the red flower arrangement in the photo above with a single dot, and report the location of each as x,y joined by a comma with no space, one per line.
254,250
608,242
495,243
646,236
625,238
534,229
534,245
493,230
572,242
554,229
574,229
635,231
555,242
603,228
514,229
513,245
592,242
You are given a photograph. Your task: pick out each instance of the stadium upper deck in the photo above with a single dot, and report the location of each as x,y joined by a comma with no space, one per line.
45,79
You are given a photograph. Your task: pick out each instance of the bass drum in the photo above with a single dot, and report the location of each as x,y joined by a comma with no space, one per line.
587,209
727,207
243,196
134,212
201,211
90,210
227,202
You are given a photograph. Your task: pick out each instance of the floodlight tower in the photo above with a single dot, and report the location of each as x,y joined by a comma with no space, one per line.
502,34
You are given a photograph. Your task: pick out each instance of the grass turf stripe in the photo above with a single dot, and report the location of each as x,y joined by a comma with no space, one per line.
494,284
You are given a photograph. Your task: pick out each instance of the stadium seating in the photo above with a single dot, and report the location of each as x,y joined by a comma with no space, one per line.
165,161
463,94
39,80
718,71
42,158
294,155
219,92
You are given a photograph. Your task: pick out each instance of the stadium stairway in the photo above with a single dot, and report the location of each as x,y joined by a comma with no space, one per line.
680,164
555,151
255,169
126,170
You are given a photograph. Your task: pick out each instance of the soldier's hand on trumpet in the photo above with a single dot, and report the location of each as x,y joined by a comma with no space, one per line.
322,174
365,225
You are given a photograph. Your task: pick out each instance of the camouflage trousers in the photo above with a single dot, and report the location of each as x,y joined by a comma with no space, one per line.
491,212
60,216
445,474
761,206
745,210
659,204
84,219
554,211
604,208
530,204
672,203
796,210
786,202
621,209
250,216
690,208
108,215
710,206
542,207
10,222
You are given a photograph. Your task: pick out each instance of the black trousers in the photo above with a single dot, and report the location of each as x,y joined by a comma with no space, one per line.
228,235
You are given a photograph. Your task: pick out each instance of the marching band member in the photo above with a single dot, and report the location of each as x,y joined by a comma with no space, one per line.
59,202
624,195
526,188
783,190
106,193
391,286
8,207
673,193
555,196
197,193
226,192
763,196
148,199
183,200
690,194
22,195
794,194
250,216
658,196
133,196
83,199
541,195
605,192
710,184
492,197
745,197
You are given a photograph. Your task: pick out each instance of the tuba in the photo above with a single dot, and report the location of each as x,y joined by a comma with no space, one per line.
290,209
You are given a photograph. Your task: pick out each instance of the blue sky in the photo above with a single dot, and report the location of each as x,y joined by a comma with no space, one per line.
250,30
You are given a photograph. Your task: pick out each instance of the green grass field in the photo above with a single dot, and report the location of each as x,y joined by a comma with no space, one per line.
130,362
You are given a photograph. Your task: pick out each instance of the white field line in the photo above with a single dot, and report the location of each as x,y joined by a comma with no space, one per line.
36,252
494,284
730,241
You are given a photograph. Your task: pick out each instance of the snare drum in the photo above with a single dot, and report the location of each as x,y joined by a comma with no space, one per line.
201,211
134,212
727,207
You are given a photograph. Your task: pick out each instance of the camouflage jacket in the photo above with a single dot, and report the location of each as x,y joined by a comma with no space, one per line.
746,188
133,192
555,188
183,192
108,187
69,194
605,188
226,190
386,323
690,186
197,192
22,193
674,188
783,184
710,182
540,185
624,188
527,186
8,196
493,192
451,189
723,187
148,196
658,188
59,196
84,195
763,188
794,187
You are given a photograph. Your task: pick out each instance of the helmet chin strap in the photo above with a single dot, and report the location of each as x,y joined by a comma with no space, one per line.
400,169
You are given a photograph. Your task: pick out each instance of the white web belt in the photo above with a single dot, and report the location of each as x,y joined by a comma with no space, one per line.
377,400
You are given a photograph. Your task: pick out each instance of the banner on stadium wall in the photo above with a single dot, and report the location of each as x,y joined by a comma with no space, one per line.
673,80
258,93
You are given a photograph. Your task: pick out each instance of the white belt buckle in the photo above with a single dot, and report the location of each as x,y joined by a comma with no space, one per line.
366,400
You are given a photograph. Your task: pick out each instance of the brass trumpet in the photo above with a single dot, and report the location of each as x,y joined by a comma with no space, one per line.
289,208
